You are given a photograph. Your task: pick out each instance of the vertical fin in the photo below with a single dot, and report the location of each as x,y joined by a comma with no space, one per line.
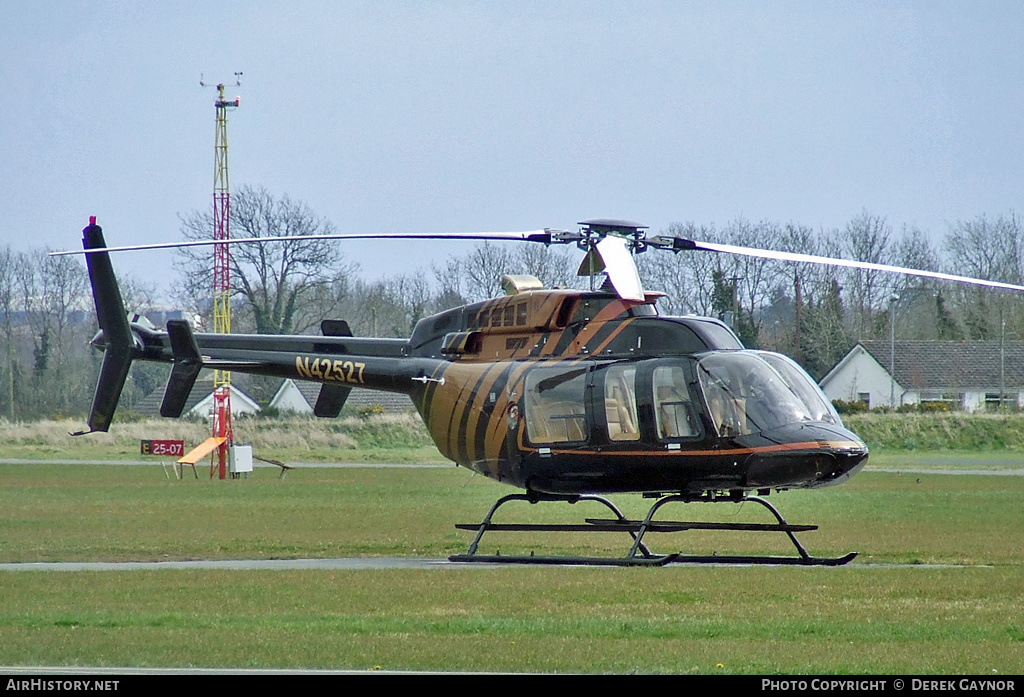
187,364
331,398
117,334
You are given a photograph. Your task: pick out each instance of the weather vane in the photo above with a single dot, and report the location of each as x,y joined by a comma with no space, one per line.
203,83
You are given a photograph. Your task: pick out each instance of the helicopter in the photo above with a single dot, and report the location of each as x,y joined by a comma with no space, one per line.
568,395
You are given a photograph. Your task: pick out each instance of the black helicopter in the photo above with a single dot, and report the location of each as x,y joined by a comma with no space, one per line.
568,395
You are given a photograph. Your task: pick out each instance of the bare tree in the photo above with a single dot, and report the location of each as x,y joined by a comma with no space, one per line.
52,293
390,307
823,337
686,277
448,280
756,278
916,310
552,265
867,237
990,249
8,303
483,268
287,286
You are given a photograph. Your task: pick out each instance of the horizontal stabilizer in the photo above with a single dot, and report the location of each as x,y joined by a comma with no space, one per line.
187,364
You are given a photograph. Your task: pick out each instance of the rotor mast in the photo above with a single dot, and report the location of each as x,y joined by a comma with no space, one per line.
222,427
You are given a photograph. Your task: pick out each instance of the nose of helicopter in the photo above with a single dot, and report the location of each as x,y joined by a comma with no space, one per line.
807,455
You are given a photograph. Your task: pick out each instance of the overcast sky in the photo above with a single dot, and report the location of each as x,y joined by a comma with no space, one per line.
497,116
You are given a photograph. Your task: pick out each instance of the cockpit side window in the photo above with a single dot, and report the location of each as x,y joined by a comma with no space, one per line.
723,390
555,405
620,402
746,395
674,414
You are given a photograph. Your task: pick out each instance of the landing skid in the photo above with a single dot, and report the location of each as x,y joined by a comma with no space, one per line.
639,554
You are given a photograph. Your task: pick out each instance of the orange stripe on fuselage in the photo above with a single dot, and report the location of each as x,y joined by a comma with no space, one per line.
782,447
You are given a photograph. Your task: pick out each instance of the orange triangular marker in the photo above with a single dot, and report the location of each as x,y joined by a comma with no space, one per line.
202,450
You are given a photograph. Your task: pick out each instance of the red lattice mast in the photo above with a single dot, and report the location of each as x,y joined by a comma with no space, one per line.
222,282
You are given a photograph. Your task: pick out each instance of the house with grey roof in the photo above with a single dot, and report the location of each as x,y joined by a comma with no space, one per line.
200,401
965,375
299,396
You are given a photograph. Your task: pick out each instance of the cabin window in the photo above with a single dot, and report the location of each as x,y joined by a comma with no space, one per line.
521,314
510,316
717,335
565,313
620,402
496,317
673,411
554,401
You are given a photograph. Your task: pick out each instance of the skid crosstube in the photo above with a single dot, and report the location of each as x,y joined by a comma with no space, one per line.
639,554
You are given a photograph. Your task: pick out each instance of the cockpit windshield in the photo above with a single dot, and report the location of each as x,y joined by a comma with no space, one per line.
750,392
802,384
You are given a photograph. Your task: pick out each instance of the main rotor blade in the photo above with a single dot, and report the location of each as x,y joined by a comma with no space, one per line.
830,261
614,257
546,236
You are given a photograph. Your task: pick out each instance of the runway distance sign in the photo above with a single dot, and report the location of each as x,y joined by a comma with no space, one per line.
167,448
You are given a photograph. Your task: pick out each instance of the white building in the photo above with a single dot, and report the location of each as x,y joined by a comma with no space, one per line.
200,401
964,374
241,403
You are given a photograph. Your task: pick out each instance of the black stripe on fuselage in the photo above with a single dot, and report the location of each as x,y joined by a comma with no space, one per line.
486,416
468,407
604,334
566,339
428,394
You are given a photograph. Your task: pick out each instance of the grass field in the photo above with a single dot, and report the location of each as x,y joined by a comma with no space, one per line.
852,620
398,438
938,586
